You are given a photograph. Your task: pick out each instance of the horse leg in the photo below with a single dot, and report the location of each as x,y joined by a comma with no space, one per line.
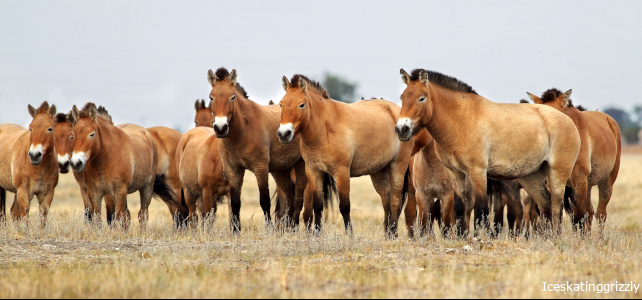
399,174
410,212
343,186
479,188
3,205
45,202
235,178
209,207
264,192
606,190
87,204
447,211
20,207
95,198
122,213
498,214
299,192
315,188
381,185
579,184
110,207
535,186
463,204
515,212
308,206
425,202
286,192
190,201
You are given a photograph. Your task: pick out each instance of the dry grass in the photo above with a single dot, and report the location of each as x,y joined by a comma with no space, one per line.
70,259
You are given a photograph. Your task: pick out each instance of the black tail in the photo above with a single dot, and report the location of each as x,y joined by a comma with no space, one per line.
164,192
3,204
569,200
329,190
404,189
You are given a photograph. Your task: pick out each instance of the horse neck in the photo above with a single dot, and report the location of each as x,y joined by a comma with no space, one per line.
245,110
315,127
106,133
449,109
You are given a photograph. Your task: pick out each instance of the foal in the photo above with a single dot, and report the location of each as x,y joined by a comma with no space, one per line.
204,116
28,163
598,162
476,138
346,140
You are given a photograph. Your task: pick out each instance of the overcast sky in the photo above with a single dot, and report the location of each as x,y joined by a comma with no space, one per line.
146,61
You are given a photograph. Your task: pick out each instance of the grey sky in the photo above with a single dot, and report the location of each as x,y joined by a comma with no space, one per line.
146,61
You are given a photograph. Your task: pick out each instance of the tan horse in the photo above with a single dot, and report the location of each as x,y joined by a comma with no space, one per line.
346,140
477,138
28,163
204,116
167,140
249,143
115,161
598,162
201,171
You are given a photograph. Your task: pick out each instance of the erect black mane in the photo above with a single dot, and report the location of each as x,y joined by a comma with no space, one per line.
311,84
222,73
61,117
445,81
550,95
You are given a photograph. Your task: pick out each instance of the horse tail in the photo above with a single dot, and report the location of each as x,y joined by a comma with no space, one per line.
3,203
163,191
404,189
329,189
569,200
496,188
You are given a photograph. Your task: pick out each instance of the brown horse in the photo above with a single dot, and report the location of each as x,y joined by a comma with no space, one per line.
346,140
35,176
477,138
204,116
248,142
598,162
167,140
115,161
201,171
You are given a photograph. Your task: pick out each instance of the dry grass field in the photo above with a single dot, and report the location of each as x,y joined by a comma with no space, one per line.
70,259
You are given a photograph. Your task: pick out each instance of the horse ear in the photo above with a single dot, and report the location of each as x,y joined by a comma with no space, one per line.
303,84
32,110
286,83
52,110
271,102
232,77
567,98
93,113
535,99
70,119
405,77
423,77
197,105
211,77
74,113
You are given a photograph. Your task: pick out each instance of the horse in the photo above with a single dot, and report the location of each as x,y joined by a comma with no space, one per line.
248,142
598,162
344,141
115,161
477,138
35,176
204,116
201,171
167,140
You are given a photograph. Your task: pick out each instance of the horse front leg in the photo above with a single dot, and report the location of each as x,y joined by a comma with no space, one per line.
45,202
20,207
262,178
343,186
145,199
87,203
235,179
122,212
315,191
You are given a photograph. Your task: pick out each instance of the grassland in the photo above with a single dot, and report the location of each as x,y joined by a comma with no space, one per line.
70,259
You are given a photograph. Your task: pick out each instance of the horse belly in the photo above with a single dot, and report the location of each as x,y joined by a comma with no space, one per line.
370,160
512,167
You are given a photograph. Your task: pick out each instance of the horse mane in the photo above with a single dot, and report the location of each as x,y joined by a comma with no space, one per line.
101,112
445,81
311,84
551,95
523,101
581,108
61,118
222,73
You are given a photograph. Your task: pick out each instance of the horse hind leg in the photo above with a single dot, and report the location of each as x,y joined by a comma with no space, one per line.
410,212
110,207
3,205
285,197
606,190
146,194
535,185
381,185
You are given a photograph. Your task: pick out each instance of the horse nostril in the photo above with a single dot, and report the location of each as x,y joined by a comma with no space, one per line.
224,127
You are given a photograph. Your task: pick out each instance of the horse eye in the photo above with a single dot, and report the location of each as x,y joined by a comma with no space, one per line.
422,99
281,105
211,98
71,137
50,129
93,134
233,98
302,105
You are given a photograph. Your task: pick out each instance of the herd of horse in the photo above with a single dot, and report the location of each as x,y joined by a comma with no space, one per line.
445,154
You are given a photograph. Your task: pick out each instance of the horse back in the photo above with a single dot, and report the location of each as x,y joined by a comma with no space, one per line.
139,154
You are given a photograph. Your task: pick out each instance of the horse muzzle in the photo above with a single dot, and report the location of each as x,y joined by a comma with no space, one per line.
403,129
221,129
35,157
78,162
64,167
285,133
